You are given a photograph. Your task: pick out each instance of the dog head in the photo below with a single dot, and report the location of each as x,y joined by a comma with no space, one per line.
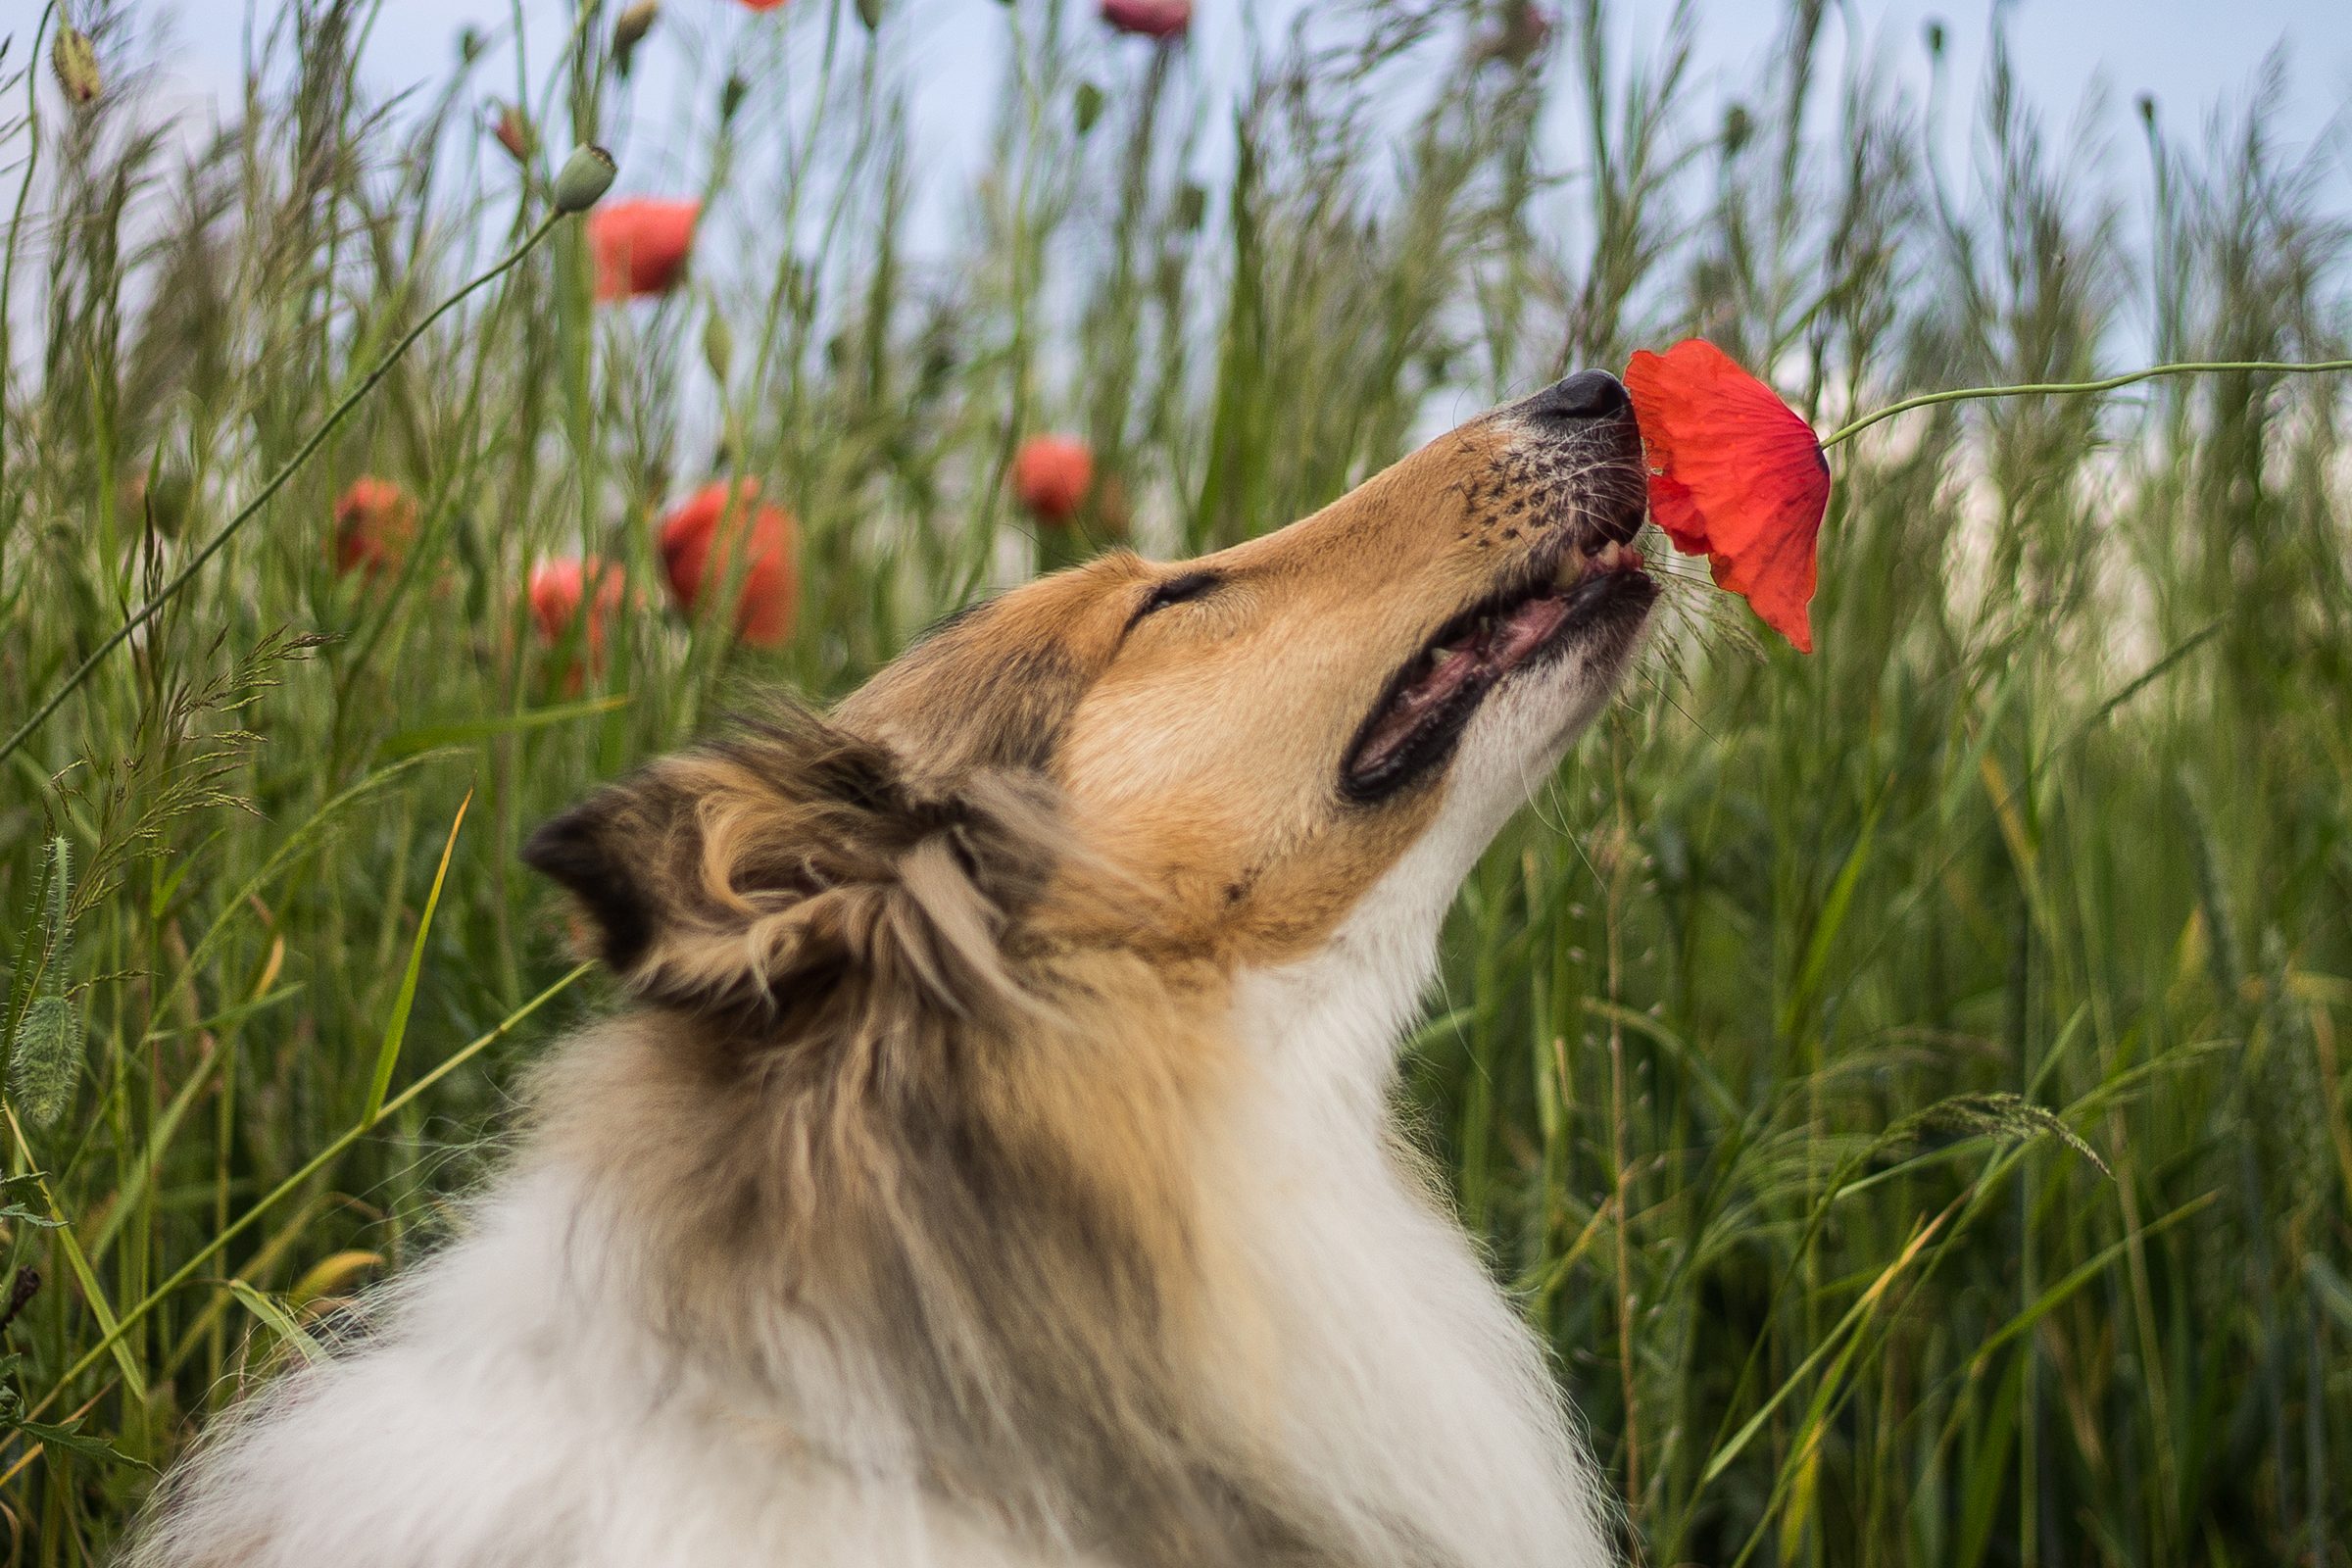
1215,759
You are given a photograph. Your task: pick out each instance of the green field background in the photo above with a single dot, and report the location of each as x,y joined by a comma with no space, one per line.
1906,1083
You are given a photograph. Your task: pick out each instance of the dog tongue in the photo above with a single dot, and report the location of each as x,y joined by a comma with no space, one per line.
1482,653
1409,707
1526,627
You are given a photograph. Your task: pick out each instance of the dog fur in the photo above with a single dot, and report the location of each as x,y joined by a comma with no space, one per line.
995,1168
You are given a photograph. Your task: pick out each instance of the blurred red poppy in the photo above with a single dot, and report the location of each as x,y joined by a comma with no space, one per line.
762,5
1152,18
512,132
1050,475
556,590
1735,475
375,523
1524,29
641,246
696,550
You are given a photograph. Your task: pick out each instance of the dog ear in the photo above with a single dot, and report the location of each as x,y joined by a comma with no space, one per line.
776,866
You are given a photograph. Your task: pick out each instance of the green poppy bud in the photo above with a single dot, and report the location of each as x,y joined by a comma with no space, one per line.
75,59
630,31
719,347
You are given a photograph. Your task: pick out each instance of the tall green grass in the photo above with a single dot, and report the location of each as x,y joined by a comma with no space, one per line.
1765,1035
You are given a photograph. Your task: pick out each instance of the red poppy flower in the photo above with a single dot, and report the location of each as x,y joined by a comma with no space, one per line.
1735,475
696,551
512,132
375,523
1050,475
762,5
640,247
1152,18
556,590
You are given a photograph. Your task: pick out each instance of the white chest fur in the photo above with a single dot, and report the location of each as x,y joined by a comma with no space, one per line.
1412,1389
518,1409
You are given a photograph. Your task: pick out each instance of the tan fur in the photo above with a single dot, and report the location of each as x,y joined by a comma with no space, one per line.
1051,821
934,1067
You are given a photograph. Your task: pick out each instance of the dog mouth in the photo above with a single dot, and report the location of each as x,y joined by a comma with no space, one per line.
1562,598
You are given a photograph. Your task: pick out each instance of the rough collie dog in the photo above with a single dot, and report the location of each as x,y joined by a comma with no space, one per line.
996,1165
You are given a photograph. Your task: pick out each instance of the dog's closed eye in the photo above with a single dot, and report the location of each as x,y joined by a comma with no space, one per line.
1175,591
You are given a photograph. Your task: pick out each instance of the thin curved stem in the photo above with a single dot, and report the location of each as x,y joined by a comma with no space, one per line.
2070,388
212,547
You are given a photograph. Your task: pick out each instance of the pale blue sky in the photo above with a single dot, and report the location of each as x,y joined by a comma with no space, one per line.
2192,55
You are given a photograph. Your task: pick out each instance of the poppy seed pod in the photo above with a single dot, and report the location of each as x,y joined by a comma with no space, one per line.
1736,475
584,178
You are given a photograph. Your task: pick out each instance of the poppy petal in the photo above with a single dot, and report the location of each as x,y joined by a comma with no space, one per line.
1051,476
641,247
695,548
1736,475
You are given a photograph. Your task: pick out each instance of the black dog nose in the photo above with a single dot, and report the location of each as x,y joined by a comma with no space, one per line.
1586,395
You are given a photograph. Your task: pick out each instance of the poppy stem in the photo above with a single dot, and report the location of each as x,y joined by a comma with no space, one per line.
2071,388
287,471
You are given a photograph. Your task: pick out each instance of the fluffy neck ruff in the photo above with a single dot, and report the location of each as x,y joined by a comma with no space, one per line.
1138,1271
986,1233
923,1160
